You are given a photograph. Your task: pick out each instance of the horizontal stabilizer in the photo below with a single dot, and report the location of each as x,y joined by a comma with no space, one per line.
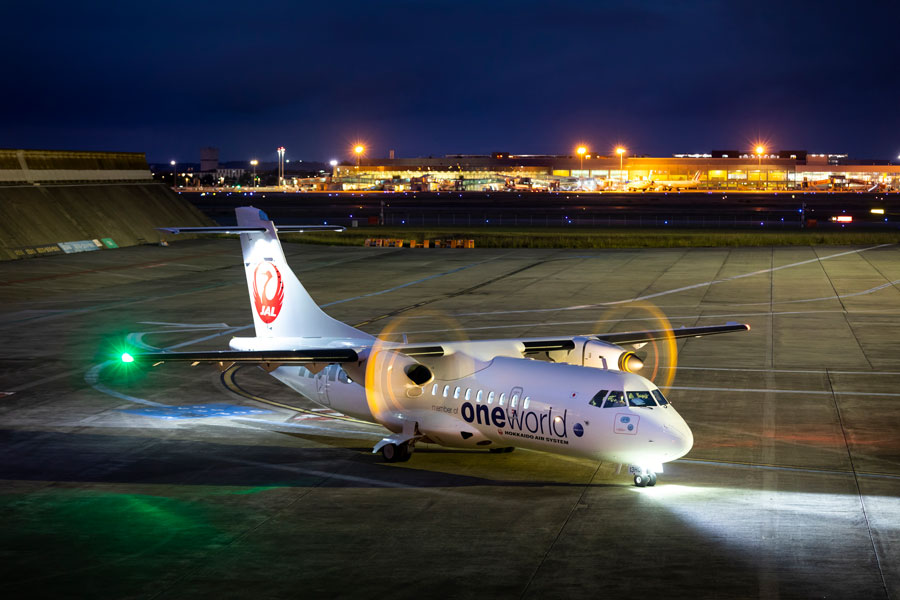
238,229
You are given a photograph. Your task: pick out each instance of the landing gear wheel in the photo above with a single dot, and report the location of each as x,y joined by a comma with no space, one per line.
396,453
641,480
652,481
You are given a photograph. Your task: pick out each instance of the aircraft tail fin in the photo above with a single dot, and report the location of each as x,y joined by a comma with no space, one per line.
280,304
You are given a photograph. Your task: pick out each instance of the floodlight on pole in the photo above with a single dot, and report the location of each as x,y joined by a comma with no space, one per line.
581,151
253,163
621,152
359,149
174,176
281,165
760,150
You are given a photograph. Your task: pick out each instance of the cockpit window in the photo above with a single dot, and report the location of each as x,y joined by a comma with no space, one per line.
615,399
640,399
660,398
597,400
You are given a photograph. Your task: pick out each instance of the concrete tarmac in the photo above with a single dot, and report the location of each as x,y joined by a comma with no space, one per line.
181,483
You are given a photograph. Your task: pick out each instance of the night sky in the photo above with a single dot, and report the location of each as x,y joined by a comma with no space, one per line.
433,77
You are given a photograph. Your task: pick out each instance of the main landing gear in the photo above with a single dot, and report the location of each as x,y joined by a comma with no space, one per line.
397,452
645,479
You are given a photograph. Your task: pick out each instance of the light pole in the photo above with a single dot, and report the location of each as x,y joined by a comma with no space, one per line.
581,151
174,176
621,152
253,163
359,149
281,165
759,152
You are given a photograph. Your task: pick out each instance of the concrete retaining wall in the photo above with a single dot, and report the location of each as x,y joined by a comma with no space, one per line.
33,219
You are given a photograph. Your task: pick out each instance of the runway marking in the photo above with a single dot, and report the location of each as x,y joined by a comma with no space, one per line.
321,430
677,290
401,286
229,382
816,371
92,378
140,265
43,380
751,465
774,391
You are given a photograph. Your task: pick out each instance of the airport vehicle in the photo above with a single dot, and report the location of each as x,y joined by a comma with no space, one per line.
577,396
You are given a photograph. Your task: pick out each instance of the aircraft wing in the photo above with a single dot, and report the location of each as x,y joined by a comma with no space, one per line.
530,346
633,337
639,337
282,357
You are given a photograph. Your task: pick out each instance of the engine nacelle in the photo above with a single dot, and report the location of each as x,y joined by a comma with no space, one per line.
393,384
604,355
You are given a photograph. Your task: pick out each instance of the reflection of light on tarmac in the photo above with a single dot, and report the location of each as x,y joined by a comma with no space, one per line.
771,526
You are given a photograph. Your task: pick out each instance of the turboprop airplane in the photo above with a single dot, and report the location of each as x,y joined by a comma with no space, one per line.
663,185
576,396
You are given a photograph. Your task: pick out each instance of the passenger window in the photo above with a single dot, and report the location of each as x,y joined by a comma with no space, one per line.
456,393
491,398
478,396
468,393
597,400
434,390
525,402
514,400
502,398
640,399
614,400
660,398
446,391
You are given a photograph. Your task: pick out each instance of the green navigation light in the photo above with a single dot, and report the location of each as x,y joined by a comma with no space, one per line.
127,358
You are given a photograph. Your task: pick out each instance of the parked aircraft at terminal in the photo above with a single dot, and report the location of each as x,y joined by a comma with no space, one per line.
663,185
576,396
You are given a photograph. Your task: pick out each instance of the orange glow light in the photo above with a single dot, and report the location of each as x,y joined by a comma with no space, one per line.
620,151
359,149
760,150
581,150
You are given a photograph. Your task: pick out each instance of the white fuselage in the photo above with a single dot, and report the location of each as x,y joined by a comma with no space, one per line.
518,402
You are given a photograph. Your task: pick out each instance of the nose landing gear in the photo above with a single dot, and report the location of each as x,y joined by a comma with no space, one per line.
644,480
643,476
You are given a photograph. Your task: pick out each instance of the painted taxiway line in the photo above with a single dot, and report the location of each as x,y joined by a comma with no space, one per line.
778,391
680,289
792,468
810,371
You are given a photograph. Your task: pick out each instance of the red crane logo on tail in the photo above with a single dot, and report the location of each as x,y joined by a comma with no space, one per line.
268,291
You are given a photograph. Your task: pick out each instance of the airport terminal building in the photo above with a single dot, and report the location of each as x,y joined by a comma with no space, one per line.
717,170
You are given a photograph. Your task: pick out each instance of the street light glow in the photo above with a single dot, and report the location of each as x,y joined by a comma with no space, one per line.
359,149
620,150
760,150
172,162
254,162
333,162
580,150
